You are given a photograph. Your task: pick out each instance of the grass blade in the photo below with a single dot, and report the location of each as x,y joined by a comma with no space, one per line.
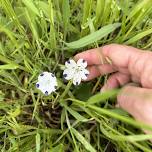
58,148
38,139
31,6
83,141
75,114
8,67
139,36
102,97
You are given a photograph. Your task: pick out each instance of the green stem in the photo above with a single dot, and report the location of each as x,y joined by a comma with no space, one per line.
66,90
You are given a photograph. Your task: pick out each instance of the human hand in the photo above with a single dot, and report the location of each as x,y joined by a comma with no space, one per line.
128,64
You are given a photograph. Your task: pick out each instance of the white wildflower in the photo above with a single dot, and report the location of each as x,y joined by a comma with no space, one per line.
47,83
76,71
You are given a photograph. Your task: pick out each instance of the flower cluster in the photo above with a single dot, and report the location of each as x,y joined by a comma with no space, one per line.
74,71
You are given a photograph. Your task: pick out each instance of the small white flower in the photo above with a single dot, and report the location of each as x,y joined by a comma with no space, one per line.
47,83
76,71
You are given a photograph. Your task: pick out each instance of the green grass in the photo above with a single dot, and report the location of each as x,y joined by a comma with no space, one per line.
40,35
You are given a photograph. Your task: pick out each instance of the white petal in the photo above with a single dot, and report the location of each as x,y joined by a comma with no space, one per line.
70,64
53,79
43,76
82,63
68,73
76,79
47,76
47,91
84,74
47,83
46,88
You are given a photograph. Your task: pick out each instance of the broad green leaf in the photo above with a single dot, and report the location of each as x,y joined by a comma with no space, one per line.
93,37
83,141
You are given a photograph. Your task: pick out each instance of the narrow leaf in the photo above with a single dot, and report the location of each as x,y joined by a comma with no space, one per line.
139,36
83,141
101,97
58,148
31,6
75,114
38,139
8,66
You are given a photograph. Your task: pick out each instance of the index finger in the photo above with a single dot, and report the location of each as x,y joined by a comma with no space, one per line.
93,56
119,55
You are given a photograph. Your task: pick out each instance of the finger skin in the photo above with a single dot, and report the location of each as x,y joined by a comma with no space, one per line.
138,62
137,101
99,70
116,80
93,56
119,54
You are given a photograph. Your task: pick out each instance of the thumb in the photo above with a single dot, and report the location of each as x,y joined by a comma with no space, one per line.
137,101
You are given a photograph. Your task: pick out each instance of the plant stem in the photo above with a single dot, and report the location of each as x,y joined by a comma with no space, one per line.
66,90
